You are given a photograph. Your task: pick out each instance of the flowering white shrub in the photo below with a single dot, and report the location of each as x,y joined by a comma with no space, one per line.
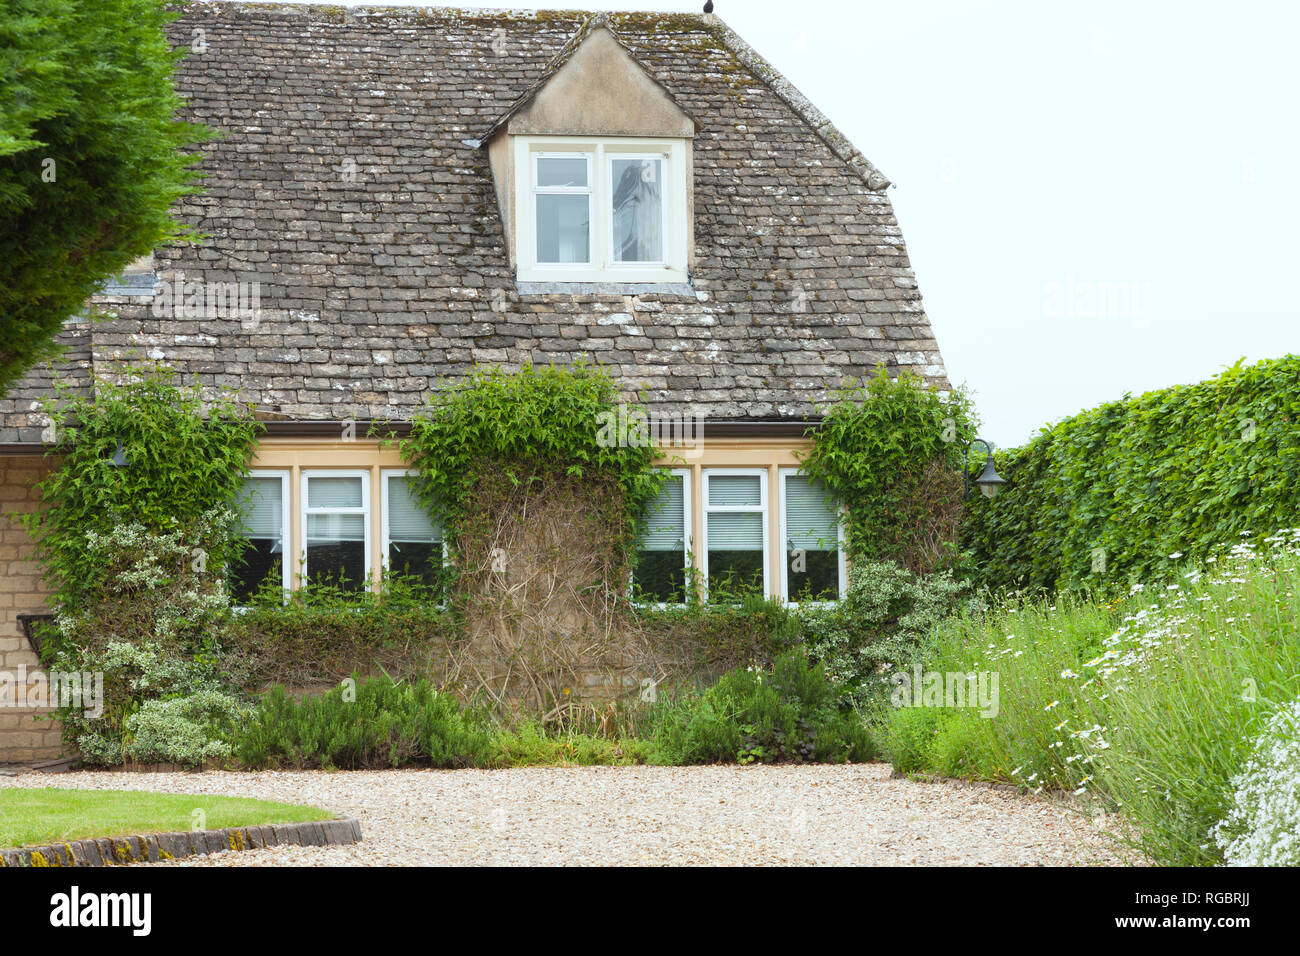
1262,827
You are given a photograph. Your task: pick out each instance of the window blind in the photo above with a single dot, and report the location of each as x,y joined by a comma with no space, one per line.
809,523
407,520
261,509
322,528
341,492
736,531
734,490
664,527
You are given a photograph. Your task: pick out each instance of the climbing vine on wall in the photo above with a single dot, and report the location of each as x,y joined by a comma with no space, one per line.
890,450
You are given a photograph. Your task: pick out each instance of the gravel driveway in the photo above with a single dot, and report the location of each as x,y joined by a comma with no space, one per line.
646,815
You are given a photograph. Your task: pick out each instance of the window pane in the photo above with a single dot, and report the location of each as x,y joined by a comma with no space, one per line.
407,519
336,528
336,550
811,556
664,526
809,522
736,530
562,171
563,228
638,210
813,575
261,512
734,490
337,562
732,573
261,561
334,492
661,558
414,541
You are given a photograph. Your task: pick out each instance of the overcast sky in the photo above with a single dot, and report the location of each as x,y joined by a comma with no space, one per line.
1098,198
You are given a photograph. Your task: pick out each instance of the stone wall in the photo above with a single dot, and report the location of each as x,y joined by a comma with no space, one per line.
26,735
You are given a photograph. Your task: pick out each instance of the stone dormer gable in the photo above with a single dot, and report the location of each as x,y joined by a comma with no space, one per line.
595,86
597,136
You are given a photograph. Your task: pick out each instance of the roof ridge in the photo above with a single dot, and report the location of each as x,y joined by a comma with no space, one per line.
839,144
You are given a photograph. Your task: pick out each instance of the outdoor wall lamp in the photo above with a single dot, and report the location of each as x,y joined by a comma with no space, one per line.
989,481
119,456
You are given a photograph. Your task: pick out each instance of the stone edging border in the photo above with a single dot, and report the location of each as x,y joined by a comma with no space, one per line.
153,847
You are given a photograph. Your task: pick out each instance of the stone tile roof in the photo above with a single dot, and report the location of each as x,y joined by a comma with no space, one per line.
376,284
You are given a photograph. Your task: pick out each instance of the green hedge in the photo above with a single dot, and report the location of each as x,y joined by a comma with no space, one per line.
1107,496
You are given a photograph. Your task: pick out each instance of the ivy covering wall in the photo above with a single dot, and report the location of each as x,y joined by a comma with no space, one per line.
891,450
1108,496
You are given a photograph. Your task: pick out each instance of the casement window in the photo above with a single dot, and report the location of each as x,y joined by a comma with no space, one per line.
664,543
812,559
264,520
336,527
601,210
735,530
413,542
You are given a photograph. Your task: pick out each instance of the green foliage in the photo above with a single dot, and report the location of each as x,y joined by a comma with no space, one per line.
883,450
321,633
376,723
1152,704
187,730
184,457
1103,498
879,625
787,713
717,637
527,427
532,745
91,158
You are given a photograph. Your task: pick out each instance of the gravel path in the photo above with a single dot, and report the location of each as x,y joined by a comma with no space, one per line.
646,815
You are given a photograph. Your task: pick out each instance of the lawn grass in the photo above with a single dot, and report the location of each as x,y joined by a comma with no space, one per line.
32,817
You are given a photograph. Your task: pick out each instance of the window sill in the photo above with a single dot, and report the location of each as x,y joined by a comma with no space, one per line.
682,289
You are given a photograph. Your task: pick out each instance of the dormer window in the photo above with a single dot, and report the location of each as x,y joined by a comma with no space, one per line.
601,210
592,169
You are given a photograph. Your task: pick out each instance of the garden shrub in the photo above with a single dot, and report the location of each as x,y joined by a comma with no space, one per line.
154,631
188,730
1105,497
786,713
701,641
879,625
891,452
1151,704
363,724
322,633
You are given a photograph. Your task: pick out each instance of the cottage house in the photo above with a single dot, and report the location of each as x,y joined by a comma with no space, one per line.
399,195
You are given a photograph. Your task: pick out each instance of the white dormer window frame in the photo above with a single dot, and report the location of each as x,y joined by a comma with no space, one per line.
660,157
